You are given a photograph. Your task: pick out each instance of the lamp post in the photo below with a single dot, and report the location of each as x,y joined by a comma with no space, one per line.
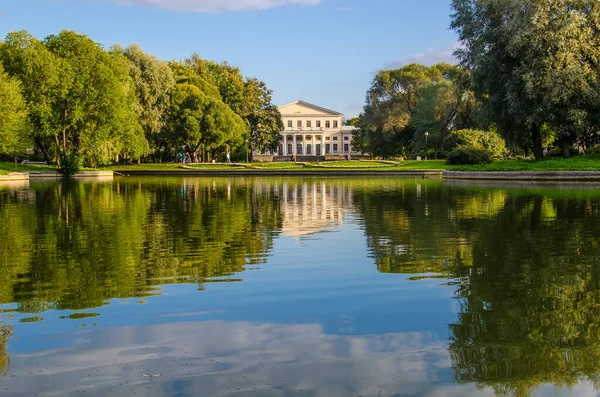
426,135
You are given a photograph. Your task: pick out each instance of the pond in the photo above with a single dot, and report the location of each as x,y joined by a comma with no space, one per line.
264,286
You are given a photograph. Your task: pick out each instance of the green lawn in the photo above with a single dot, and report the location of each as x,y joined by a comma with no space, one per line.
6,168
291,166
578,163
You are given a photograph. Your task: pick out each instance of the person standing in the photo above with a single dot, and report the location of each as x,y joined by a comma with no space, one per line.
227,158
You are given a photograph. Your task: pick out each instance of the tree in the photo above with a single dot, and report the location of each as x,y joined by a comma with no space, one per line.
41,76
535,62
393,95
153,79
14,131
202,122
262,116
94,113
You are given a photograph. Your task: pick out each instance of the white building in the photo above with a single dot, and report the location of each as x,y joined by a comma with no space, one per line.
310,130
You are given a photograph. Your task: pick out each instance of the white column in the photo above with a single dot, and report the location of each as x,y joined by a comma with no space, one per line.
314,149
294,150
284,151
304,145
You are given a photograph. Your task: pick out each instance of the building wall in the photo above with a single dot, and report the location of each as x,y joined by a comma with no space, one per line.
325,127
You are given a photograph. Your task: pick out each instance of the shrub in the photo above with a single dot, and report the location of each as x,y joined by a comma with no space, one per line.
487,140
557,152
593,150
468,155
70,163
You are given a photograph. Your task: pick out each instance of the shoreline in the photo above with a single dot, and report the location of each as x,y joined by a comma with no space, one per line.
513,176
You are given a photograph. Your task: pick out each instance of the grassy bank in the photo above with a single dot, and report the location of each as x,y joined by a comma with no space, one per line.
292,166
6,168
578,163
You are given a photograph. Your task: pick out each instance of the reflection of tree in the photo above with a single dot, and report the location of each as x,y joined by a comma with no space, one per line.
531,306
75,246
5,334
411,226
527,267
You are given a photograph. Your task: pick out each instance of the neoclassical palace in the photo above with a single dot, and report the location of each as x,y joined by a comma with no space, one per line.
310,130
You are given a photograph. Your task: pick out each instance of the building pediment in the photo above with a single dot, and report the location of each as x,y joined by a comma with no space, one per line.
301,108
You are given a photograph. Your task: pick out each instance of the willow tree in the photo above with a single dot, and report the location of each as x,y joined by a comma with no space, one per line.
392,98
153,80
535,62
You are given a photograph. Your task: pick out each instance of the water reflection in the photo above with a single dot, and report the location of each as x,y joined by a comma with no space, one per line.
360,311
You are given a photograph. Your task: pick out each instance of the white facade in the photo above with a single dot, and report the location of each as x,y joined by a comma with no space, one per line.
310,130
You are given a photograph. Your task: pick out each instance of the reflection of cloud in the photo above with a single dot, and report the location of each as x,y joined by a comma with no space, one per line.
225,358
215,5
430,57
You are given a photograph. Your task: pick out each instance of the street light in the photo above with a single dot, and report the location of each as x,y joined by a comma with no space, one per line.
426,135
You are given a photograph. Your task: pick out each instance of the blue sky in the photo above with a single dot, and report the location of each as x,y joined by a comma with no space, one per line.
321,51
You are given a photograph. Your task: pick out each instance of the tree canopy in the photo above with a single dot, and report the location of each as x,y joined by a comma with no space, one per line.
535,63
124,104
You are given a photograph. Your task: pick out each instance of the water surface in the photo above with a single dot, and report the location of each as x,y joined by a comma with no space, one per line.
298,287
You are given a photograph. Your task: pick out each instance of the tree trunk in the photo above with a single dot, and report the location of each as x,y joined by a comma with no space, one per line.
536,140
564,147
57,151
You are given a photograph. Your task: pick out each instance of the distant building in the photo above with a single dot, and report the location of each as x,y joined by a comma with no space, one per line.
310,130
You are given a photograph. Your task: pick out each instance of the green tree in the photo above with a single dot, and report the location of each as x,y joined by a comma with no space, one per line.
202,122
14,131
535,62
262,116
41,75
153,79
394,94
94,113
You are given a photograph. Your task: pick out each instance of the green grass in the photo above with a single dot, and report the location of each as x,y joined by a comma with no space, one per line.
577,163
6,168
292,166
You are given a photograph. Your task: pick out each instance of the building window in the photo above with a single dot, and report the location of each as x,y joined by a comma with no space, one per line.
346,138
335,147
346,147
290,123
327,138
335,138
318,123
335,124
328,124
299,124
309,123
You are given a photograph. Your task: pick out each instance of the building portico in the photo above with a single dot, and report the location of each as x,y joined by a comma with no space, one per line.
311,130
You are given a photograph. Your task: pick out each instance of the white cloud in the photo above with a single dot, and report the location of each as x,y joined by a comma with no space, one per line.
430,57
215,5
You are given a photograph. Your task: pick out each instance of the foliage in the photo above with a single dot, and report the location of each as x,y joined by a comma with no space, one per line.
153,80
116,105
466,155
535,63
70,163
14,130
402,104
488,140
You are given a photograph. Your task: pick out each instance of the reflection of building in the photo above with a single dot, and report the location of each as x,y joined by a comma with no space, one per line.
311,130
312,207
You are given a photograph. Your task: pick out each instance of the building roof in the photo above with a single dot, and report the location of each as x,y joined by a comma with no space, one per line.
310,105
